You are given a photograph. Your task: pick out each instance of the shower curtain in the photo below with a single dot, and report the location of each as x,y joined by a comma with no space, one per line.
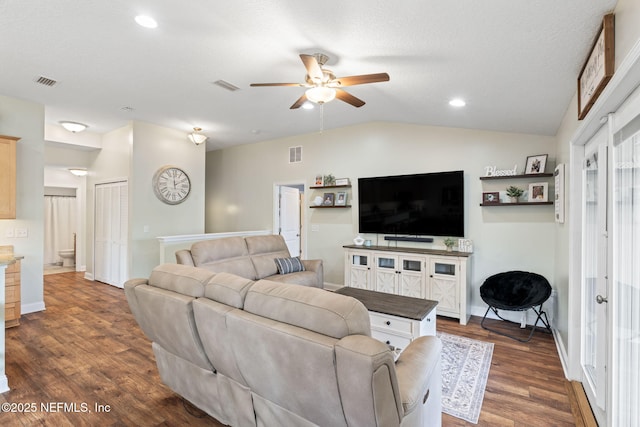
59,226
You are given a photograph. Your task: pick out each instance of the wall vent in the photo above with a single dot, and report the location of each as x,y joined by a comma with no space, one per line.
45,81
226,85
295,154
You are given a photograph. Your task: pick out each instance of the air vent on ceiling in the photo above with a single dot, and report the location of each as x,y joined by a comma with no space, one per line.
45,81
226,85
295,154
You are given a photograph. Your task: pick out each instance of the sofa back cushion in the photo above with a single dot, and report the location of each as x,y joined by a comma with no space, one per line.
228,289
314,309
263,251
228,255
179,278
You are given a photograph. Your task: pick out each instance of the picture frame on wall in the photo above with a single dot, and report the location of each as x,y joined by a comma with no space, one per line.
535,164
341,198
538,192
328,199
490,197
598,68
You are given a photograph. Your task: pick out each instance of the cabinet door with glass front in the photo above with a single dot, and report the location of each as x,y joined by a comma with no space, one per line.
386,273
444,285
358,273
412,276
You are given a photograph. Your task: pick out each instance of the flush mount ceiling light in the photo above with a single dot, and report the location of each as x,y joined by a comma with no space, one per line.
196,137
73,126
146,21
78,171
457,102
321,94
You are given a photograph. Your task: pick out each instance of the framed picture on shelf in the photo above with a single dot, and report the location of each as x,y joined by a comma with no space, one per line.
535,164
342,181
319,181
341,198
538,192
491,197
328,199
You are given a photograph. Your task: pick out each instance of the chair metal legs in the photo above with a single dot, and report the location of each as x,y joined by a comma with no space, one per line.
542,316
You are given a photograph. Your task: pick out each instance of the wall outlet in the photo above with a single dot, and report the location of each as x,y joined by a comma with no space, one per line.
22,232
10,232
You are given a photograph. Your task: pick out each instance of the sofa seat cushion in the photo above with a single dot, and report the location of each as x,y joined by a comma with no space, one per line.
314,309
305,278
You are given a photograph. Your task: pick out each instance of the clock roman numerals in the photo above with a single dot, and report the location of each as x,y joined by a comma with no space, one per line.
171,185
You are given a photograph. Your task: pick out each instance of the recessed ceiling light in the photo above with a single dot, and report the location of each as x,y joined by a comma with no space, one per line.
457,102
146,21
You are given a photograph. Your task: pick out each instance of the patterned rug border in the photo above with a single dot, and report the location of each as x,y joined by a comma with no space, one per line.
456,400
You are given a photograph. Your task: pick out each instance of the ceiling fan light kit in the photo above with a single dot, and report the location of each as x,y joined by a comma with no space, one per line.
322,84
320,94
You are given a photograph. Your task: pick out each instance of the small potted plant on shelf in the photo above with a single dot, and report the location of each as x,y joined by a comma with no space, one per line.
514,192
449,242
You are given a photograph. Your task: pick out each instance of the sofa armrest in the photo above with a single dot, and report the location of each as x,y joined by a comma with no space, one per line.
183,256
418,371
316,266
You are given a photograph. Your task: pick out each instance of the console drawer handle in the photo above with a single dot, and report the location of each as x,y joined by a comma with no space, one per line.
426,396
388,322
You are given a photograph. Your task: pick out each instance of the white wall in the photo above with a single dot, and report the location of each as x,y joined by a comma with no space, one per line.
25,120
153,147
240,187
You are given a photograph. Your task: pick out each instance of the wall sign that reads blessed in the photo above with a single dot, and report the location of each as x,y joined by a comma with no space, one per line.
598,69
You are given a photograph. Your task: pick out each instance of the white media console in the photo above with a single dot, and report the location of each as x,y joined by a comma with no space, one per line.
432,274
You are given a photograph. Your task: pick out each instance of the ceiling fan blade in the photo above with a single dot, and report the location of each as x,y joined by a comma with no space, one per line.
275,84
299,102
360,80
313,68
348,98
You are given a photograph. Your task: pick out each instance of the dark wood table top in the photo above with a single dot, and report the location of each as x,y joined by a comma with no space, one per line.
395,305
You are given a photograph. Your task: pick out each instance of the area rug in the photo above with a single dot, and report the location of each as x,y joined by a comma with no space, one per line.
465,368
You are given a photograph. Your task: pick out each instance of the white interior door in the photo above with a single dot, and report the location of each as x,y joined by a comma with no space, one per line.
593,357
111,231
290,218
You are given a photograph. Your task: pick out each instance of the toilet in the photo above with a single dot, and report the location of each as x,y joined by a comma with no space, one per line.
68,257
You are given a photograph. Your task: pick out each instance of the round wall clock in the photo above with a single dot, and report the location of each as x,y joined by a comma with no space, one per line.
171,185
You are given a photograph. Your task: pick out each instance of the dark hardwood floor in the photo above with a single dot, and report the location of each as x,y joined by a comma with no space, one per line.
85,362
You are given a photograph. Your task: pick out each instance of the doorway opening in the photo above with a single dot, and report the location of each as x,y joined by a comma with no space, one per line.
288,216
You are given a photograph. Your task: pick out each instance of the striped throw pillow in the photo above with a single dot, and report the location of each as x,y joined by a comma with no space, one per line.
289,265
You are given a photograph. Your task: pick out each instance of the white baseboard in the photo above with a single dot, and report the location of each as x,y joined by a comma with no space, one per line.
32,308
562,352
331,286
88,276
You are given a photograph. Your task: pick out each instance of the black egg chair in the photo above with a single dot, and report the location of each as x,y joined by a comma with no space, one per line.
516,291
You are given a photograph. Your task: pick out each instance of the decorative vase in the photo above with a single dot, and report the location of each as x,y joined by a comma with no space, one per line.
317,201
449,248
358,241
513,199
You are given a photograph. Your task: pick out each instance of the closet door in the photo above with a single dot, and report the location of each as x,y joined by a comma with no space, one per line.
111,231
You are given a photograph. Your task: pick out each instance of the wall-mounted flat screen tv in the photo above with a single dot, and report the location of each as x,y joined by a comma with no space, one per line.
429,204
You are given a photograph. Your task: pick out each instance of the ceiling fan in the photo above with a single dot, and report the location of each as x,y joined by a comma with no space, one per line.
323,86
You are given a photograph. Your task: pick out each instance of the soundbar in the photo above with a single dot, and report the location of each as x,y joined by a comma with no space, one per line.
409,239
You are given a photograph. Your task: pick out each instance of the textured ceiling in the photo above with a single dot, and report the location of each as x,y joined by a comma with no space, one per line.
514,62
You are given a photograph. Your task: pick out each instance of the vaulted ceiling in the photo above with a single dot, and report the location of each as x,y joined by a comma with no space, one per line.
515,63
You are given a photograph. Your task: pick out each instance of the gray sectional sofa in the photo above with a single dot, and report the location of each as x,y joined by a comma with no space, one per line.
252,257
272,354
